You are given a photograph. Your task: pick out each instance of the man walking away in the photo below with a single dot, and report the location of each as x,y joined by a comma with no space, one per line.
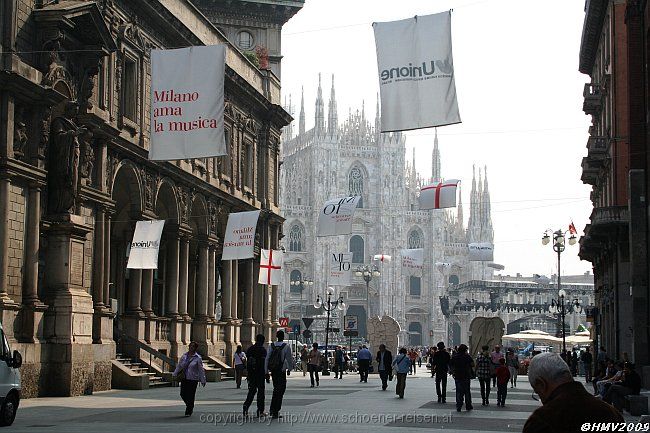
256,356
462,368
587,360
385,365
364,357
440,363
503,375
278,364
402,364
567,405
484,373
315,360
338,363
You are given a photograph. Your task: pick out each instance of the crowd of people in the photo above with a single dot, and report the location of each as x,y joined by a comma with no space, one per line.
551,376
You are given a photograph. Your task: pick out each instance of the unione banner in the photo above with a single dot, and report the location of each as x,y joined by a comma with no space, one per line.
239,239
143,253
412,261
340,269
416,73
438,195
481,252
270,267
335,218
187,91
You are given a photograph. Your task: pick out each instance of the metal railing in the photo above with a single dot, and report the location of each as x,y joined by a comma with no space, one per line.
123,340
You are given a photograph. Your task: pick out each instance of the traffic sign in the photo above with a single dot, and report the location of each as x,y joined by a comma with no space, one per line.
351,323
284,322
307,321
296,329
350,333
306,333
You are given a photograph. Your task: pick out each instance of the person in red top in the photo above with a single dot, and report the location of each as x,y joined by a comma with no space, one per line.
413,355
503,376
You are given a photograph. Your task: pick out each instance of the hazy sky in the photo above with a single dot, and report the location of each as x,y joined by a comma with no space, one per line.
520,99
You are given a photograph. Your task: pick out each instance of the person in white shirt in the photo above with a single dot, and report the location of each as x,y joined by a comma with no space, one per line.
278,365
240,365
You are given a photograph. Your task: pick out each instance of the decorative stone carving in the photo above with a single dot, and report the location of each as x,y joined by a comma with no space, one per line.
149,188
54,65
20,138
87,157
87,85
213,210
485,330
112,161
183,205
44,140
384,330
63,171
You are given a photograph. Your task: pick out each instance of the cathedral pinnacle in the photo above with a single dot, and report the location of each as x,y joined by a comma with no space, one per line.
301,121
436,176
332,117
319,115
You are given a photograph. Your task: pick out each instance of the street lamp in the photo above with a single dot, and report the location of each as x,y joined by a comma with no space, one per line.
302,284
328,306
558,247
367,272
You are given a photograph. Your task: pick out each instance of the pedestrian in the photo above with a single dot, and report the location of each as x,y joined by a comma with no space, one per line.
503,376
440,364
484,373
494,357
630,385
419,353
512,362
315,360
384,366
278,364
363,358
304,358
567,406
462,367
338,362
240,365
401,364
190,372
413,357
574,362
602,359
255,356
587,360
432,353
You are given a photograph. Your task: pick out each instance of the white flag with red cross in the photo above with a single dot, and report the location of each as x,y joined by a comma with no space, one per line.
270,267
439,195
382,258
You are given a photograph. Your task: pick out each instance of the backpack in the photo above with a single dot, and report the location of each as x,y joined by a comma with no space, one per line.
275,359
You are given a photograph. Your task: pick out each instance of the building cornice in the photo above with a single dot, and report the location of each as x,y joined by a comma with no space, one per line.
595,12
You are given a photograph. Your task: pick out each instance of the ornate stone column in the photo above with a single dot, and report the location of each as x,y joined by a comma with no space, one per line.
107,263
212,269
5,300
98,274
199,324
248,327
183,282
171,293
147,310
226,290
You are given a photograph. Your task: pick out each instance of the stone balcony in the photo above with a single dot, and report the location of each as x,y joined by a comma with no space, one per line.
589,171
608,224
593,102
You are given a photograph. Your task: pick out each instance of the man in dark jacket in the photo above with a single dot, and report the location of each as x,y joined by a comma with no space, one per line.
385,363
440,363
566,403
256,354
338,362
630,385
462,367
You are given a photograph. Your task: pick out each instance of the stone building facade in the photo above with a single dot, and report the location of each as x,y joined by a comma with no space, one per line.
335,159
75,177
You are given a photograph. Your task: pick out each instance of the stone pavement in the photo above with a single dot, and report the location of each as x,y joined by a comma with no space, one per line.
344,405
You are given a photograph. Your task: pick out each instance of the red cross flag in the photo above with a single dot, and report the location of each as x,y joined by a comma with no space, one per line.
382,258
439,195
270,267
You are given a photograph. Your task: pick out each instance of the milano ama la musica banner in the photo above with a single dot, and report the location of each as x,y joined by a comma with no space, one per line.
187,91
416,73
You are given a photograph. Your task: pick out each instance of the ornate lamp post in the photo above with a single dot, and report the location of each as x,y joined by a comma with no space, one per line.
367,272
302,284
560,306
558,247
328,306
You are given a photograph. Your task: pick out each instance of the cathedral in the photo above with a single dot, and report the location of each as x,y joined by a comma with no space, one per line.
335,159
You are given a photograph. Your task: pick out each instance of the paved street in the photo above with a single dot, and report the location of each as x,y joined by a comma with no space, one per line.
336,401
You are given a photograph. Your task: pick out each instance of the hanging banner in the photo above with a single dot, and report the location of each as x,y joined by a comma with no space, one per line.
412,261
416,73
382,258
270,267
438,195
187,91
145,245
481,252
335,217
239,239
340,269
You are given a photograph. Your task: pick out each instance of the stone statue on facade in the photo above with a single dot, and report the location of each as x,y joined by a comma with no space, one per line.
64,153
20,139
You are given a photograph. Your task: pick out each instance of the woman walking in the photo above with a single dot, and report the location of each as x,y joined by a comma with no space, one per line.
240,365
190,372
304,357
512,362
315,359
402,364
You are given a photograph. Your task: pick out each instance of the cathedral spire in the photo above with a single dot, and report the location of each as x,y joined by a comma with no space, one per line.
486,223
332,117
301,121
460,218
473,201
319,116
436,176
479,199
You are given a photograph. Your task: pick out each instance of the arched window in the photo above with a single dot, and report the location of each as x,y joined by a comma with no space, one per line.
415,286
296,275
355,183
296,235
453,279
356,248
415,239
